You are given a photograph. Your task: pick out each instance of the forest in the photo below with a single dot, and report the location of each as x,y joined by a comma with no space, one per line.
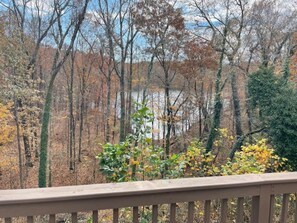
96,91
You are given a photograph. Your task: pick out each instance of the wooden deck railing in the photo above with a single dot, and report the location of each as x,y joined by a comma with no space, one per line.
93,198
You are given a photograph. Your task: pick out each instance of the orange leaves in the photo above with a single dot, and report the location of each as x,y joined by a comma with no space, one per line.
199,56
293,62
157,17
7,131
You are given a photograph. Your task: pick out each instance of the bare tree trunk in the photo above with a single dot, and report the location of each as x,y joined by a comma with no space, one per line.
168,116
201,104
163,124
26,141
159,122
236,105
81,119
71,117
108,109
103,112
115,116
148,78
129,106
206,109
16,117
50,156
27,148
218,101
153,121
123,107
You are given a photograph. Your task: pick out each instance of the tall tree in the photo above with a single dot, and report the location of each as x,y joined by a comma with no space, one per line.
115,17
62,32
226,21
271,29
218,38
85,66
163,26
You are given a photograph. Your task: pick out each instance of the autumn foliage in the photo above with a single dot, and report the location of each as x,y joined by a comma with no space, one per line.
7,129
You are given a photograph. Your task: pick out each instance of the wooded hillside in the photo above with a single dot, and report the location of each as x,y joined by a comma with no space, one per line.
89,87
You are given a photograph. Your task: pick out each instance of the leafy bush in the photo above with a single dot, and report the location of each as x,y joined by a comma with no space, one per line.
138,159
255,158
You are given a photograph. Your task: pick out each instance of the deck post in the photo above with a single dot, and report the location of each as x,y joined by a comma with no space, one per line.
264,204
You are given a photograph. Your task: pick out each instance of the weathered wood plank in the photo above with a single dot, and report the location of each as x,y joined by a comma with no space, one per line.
207,211
30,219
74,217
191,207
52,218
240,210
224,211
255,209
8,220
272,208
172,217
115,215
95,217
285,208
142,187
117,195
135,215
155,214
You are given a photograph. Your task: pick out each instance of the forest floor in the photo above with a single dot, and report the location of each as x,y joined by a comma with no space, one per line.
59,173
86,171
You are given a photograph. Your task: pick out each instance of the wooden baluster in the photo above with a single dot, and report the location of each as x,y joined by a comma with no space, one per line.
116,215
284,214
255,209
239,211
135,215
272,202
74,217
8,220
155,214
52,218
95,216
224,211
172,213
207,211
191,208
30,219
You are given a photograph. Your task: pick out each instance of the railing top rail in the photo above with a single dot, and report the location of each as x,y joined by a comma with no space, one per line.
69,193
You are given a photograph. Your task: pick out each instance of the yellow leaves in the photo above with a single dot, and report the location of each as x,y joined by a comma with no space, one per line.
134,162
224,139
198,162
148,140
223,132
147,168
7,131
216,143
261,153
255,158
